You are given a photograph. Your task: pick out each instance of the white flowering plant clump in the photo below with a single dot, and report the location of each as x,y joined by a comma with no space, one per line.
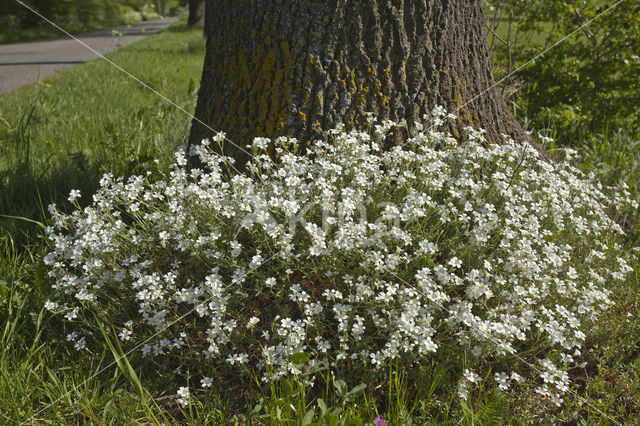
354,255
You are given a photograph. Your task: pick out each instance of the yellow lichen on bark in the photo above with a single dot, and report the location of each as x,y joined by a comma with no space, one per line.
259,90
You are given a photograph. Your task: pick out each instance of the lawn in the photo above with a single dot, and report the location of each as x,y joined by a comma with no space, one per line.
66,131
62,133
69,129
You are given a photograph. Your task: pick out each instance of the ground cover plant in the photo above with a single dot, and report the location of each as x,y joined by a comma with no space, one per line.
43,377
369,259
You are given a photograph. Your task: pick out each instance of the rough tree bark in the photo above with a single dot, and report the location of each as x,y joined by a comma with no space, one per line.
298,67
196,12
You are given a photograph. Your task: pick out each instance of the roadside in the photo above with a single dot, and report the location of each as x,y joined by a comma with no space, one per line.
23,63
19,21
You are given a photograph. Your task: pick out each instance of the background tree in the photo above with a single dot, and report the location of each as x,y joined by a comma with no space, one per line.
161,7
300,67
586,85
196,12
75,16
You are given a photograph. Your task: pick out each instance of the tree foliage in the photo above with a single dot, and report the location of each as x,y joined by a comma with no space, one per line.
587,83
65,12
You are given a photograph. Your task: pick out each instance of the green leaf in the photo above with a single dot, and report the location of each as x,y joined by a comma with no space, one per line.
258,407
125,367
308,418
323,406
341,387
287,387
331,420
354,421
355,391
300,358
26,219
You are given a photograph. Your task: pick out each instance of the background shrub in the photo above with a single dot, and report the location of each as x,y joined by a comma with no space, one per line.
588,83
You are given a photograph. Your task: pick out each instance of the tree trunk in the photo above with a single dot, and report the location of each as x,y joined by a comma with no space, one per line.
299,67
196,12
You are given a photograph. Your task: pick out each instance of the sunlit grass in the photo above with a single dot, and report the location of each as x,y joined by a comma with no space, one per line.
67,130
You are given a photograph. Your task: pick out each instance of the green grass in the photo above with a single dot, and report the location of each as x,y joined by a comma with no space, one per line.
35,370
69,129
61,133
66,131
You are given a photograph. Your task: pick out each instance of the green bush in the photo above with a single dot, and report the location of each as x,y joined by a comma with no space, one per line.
588,83
18,23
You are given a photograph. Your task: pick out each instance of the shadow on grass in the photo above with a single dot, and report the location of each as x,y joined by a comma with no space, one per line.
25,195
27,190
31,179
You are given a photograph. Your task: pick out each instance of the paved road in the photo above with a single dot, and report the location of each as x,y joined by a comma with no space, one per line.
22,63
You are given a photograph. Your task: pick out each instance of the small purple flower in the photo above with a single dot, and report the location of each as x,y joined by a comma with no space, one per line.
379,421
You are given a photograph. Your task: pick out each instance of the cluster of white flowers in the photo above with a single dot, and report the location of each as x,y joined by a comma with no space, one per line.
183,396
351,254
79,342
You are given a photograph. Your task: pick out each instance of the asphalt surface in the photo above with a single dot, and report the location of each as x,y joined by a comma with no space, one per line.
23,63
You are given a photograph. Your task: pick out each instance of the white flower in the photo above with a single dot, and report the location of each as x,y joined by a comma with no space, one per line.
125,334
427,247
74,195
252,322
240,358
503,380
236,248
256,261
50,306
470,376
455,262
537,241
206,382
518,378
260,143
183,396
80,344
323,345
73,314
